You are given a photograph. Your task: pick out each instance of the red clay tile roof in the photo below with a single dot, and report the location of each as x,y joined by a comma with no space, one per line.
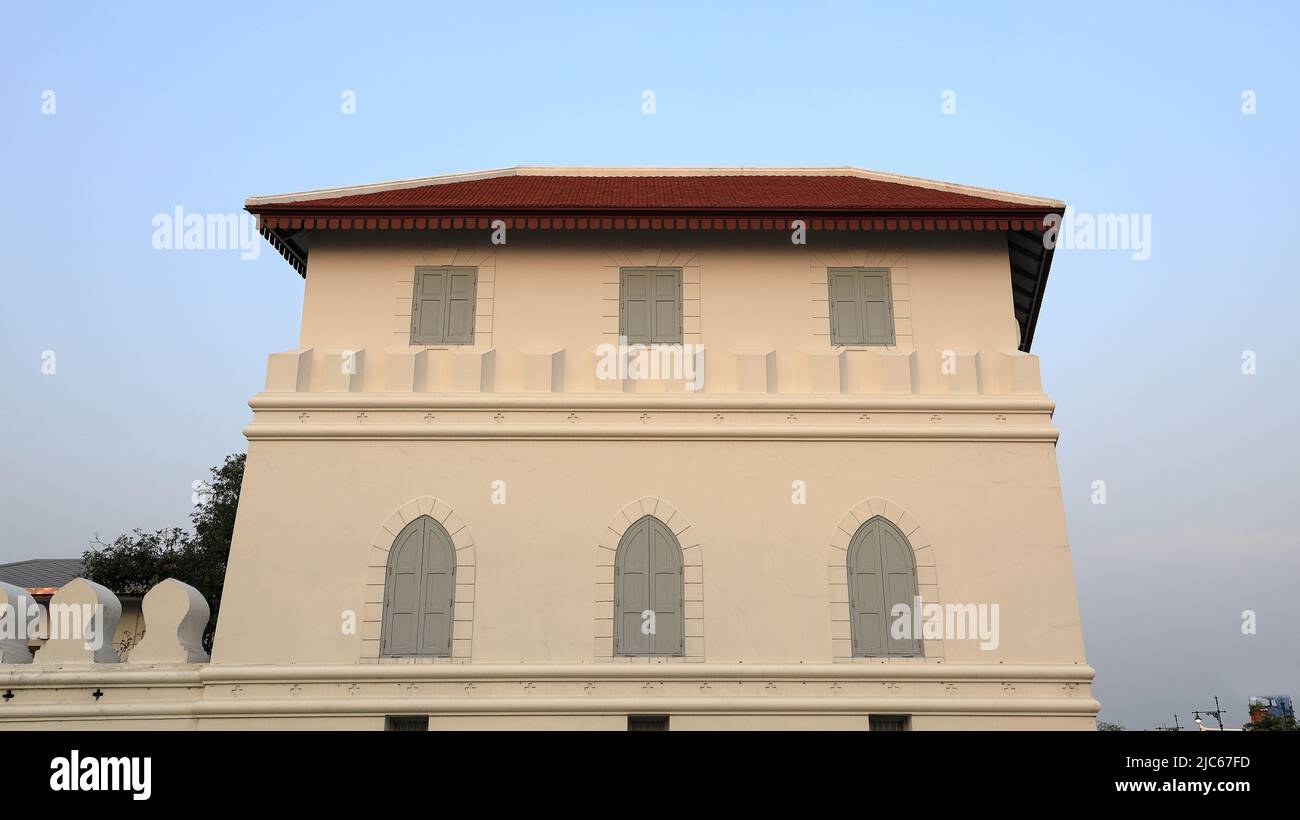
729,193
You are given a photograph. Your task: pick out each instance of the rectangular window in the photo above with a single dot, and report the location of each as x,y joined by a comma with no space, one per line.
888,723
647,723
406,723
650,305
442,306
862,308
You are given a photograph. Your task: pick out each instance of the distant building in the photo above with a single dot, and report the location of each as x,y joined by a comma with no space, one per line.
1275,706
42,577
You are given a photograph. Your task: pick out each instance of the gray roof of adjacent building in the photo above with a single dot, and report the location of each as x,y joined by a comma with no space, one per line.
41,573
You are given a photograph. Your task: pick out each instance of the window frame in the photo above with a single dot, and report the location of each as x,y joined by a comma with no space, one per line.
443,341
679,334
444,538
406,723
648,723
887,279
889,723
625,542
855,634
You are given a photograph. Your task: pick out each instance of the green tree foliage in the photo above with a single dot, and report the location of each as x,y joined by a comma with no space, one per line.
133,563
1272,723
1107,726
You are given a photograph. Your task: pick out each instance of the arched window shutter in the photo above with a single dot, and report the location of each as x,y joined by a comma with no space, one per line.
882,574
899,567
419,591
648,578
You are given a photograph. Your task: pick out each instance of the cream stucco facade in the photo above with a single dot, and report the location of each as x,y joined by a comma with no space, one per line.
536,466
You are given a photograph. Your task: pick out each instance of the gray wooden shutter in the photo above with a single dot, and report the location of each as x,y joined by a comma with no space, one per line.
632,590
898,565
861,306
667,590
402,592
442,306
866,593
667,307
419,592
650,305
439,589
648,576
882,573
429,306
461,288
877,308
634,307
846,308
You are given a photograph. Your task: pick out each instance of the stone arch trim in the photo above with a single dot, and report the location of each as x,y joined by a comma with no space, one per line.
927,576
462,628
692,576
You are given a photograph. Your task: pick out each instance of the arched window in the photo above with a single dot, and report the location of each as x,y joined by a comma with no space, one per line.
882,574
419,591
648,591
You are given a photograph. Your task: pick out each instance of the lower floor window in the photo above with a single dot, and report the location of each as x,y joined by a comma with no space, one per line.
406,723
889,723
647,723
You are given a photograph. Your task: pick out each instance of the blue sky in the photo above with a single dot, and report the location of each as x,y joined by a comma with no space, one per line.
1113,107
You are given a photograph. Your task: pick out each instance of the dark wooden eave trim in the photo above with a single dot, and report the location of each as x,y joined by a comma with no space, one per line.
283,242
1044,268
1029,262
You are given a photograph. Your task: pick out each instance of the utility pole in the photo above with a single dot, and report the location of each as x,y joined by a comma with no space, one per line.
1216,713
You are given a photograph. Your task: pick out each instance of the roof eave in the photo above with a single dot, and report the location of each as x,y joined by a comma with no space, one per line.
578,171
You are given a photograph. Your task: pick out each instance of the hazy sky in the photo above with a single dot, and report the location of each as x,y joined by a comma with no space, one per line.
1115,108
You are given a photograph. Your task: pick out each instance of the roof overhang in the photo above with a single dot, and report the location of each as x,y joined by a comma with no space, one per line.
254,203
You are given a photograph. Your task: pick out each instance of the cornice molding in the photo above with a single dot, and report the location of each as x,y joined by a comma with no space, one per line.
632,432
647,401
252,692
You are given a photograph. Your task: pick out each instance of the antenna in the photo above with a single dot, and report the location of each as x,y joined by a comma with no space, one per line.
1217,713
1164,727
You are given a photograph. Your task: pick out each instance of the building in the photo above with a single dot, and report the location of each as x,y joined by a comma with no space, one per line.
649,448
42,577
1278,707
